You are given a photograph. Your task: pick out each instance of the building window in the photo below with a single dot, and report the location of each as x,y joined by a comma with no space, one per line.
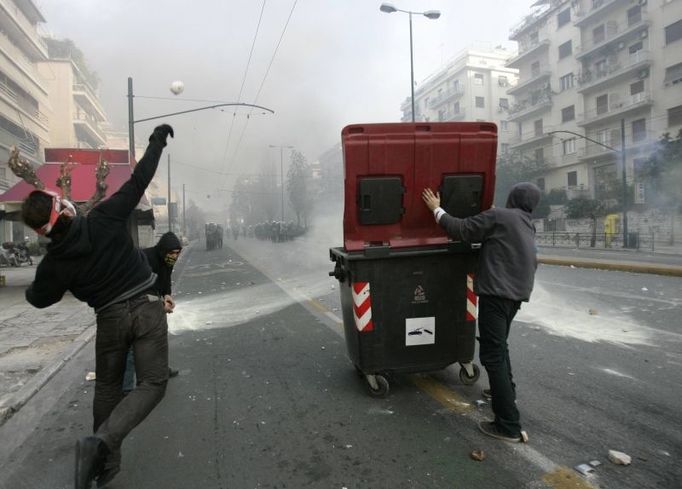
563,18
455,108
637,87
426,103
638,46
572,178
504,103
634,15
673,74
478,79
441,115
638,130
540,182
504,125
535,69
455,85
504,147
537,126
502,81
675,116
534,38
566,49
480,102
603,104
539,155
600,68
598,34
673,32
568,146
568,113
566,82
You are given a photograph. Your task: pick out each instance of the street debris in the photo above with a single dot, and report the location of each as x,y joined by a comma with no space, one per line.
595,463
480,403
90,376
644,289
208,323
619,458
180,455
592,312
584,469
323,348
478,455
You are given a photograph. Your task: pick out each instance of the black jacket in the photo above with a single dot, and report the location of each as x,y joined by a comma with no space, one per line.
156,256
508,253
96,260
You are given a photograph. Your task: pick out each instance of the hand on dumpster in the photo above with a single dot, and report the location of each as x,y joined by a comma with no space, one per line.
432,200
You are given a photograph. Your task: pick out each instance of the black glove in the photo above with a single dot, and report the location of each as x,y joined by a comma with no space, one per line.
161,133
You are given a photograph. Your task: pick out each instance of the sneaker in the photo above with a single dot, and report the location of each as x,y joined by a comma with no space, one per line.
490,428
487,394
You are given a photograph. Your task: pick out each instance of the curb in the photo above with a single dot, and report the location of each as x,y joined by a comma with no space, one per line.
655,269
15,401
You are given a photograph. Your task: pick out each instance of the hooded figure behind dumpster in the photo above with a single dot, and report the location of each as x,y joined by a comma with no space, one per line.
505,277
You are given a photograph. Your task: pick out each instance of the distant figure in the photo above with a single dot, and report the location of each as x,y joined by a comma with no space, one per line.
161,259
94,257
505,278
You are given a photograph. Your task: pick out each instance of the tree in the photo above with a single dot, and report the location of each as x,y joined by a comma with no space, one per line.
581,208
662,172
513,168
298,187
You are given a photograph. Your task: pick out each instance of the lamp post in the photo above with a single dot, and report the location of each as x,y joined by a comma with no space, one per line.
429,14
623,155
281,170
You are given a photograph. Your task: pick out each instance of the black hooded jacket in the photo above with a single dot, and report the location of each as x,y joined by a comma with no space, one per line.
96,259
156,257
508,258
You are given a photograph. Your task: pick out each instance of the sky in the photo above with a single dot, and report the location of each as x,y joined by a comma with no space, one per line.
338,62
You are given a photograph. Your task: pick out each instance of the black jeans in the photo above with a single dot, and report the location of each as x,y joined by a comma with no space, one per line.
140,322
495,316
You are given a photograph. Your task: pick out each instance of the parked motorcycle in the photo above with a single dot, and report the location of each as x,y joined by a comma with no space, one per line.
17,253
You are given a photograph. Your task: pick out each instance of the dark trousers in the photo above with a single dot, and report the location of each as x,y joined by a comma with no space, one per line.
141,323
495,316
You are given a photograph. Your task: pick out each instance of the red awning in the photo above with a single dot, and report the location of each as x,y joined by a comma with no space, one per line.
82,175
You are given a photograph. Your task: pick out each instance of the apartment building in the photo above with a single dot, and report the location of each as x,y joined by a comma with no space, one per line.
472,86
78,120
24,105
609,71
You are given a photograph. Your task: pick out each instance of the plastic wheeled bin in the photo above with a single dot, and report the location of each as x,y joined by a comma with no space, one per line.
406,290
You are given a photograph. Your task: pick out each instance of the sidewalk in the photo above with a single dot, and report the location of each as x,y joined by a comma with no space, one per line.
35,343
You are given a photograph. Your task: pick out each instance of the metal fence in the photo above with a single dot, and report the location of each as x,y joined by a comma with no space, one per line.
636,241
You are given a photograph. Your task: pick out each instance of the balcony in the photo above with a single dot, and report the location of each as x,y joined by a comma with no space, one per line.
17,26
618,109
593,151
87,98
21,62
613,73
525,108
598,8
445,96
526,50
527,22
451,115
614,32
88,130
518,142
22,105
524,85
27,144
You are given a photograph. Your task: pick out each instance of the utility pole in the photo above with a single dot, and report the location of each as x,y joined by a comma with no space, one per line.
411,70
281,175
625,184
131,123
184,224
170,221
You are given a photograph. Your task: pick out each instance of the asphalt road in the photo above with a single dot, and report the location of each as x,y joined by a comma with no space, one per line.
267,398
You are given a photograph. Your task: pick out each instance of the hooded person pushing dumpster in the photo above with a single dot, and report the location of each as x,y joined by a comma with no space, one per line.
505,276
94,257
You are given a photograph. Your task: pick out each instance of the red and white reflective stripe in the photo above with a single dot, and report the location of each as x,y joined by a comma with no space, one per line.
472,299
362,307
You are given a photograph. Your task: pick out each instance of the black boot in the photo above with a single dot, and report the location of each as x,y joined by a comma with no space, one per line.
91,452
112,466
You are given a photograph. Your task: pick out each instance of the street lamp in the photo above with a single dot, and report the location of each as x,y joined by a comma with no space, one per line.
281,170
429,14
622,153
132,122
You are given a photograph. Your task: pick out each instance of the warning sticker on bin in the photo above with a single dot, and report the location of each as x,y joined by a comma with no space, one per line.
420,331
362,307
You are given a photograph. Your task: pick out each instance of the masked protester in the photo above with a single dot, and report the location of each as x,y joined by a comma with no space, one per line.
161,259
504,279
95,259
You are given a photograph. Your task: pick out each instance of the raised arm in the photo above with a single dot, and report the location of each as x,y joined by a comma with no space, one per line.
122,203
46,289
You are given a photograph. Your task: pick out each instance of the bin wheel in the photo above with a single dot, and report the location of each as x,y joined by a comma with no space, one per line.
467,379
380,387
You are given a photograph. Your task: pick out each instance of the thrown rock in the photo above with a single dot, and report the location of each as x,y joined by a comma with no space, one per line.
90,376
619,458
478,455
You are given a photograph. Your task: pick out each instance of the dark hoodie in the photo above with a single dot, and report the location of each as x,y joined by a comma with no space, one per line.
508,253
96,259
156,257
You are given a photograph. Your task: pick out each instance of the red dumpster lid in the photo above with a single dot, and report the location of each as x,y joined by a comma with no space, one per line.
387,166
